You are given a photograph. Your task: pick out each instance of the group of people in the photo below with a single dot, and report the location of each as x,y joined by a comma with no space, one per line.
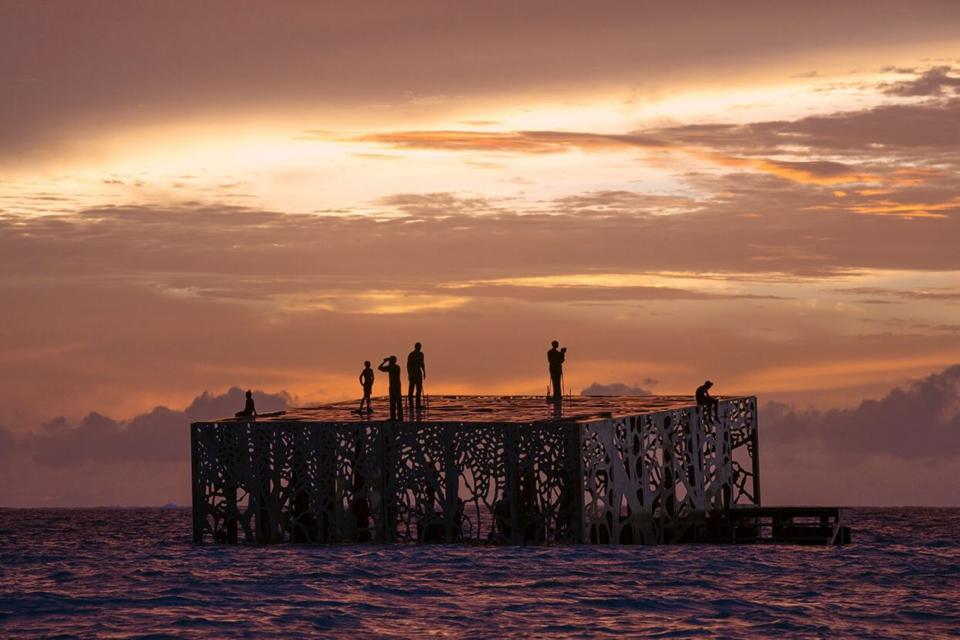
416,373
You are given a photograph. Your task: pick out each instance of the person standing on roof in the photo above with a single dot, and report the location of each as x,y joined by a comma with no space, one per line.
555,358
392,369
366,381
416,372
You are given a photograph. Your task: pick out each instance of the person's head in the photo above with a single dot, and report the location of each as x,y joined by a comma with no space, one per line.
366,364
249,393
392,359
708,384
416,347
555,344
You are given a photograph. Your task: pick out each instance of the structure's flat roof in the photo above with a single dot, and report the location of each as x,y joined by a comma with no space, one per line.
487,409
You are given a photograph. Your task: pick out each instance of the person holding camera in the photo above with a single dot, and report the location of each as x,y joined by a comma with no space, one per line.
555,358
392,369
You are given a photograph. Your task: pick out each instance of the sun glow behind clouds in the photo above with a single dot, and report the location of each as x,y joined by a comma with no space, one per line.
281,162
370,303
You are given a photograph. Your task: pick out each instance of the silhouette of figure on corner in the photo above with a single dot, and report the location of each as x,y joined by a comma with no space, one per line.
249,410
416,372
555,358
392,369
366,381
708,404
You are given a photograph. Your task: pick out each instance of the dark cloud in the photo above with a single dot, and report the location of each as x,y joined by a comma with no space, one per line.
620,202
877,131
882,129
921,420
158,436
615,389
437,204
930,83
903,449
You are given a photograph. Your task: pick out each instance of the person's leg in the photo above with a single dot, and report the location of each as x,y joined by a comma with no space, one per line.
418,388
557,391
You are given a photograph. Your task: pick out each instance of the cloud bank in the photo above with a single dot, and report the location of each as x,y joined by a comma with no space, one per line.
903,448
101,461
617,389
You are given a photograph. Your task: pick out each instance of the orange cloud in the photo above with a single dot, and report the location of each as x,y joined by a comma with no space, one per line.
905,209
509,142
819,172
823,173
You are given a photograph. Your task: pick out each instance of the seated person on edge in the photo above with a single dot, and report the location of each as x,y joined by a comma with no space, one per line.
705,400
248,409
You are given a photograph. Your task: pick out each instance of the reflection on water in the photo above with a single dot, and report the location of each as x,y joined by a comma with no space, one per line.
123,573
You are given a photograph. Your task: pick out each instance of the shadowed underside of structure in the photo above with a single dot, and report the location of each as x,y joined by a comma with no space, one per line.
503,470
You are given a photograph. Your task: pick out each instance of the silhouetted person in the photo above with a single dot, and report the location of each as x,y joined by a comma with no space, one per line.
416,372
366,381
555,358
248,409
396,391
708,403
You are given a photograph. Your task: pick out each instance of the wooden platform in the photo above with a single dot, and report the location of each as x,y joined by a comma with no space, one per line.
787,525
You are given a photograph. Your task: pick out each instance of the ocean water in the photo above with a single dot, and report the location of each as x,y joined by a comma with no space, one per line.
132,573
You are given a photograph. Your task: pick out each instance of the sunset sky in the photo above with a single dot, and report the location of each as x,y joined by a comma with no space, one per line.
197,196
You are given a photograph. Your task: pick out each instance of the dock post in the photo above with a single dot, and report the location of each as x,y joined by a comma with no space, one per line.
452,477
261,483
388,480
197,486
575,482
512,455
382,474
755,447
723,424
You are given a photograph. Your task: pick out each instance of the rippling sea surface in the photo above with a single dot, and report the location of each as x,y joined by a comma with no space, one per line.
134,573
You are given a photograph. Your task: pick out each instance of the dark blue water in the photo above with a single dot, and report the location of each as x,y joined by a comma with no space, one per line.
134,573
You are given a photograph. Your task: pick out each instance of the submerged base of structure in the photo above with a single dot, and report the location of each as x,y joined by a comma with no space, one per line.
494,470
780,525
